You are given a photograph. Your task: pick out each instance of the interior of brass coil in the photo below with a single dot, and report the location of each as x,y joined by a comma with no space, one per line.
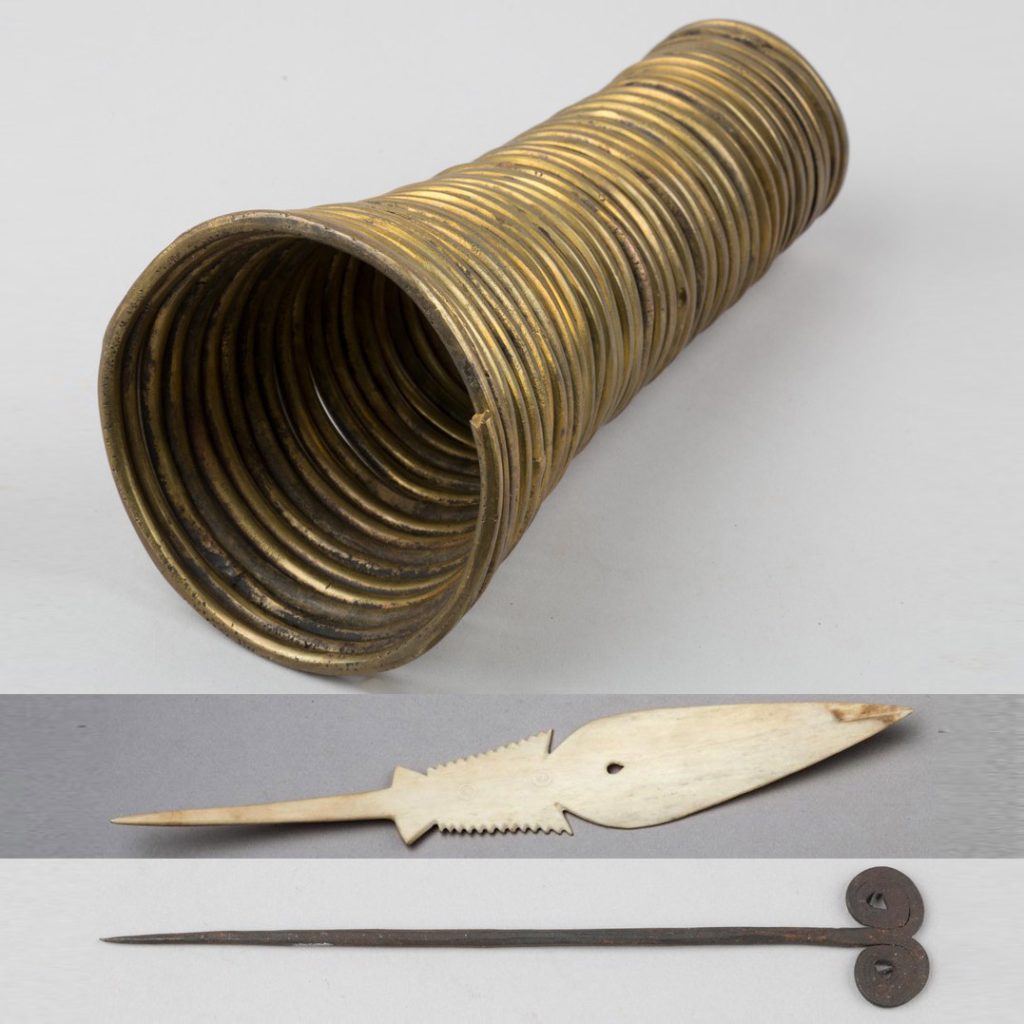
298,442
329,426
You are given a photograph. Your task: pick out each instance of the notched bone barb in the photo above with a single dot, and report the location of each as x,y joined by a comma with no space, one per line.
531,750
557,825
502,790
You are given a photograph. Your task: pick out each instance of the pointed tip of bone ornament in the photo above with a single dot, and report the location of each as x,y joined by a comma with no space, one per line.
158,818
888,714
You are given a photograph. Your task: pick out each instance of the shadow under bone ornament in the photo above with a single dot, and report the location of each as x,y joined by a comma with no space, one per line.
630,770
891,968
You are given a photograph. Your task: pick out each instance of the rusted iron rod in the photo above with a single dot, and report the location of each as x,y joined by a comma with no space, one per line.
891,969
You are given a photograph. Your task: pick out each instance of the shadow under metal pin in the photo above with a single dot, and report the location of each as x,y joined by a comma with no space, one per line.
890,970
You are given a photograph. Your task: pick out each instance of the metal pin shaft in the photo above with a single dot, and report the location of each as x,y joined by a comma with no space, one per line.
891,969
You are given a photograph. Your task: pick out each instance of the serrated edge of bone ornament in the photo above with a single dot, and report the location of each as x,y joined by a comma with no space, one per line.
539,744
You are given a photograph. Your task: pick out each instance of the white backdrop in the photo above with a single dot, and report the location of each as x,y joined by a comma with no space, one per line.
823,493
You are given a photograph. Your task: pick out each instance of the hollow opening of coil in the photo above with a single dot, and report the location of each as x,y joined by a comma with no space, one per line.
298,446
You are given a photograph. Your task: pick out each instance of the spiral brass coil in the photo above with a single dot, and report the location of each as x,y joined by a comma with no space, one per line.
329,426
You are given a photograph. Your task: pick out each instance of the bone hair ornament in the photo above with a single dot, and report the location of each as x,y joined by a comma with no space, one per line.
629,770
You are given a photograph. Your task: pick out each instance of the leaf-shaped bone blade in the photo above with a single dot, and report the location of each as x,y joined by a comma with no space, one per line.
649,767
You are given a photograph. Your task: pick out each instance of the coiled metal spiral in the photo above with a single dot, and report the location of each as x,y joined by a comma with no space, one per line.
329,426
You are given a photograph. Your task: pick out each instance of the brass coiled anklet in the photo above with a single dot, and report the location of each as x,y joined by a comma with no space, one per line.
330,425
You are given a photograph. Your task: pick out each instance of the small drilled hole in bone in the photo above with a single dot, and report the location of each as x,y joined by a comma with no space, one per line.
884,968
877,900
614,768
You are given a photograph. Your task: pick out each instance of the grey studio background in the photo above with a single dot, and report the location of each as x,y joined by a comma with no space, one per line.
943,782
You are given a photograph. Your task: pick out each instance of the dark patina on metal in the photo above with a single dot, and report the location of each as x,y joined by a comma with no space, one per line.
891,968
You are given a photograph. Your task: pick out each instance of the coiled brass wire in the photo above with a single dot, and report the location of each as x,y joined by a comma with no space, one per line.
329,426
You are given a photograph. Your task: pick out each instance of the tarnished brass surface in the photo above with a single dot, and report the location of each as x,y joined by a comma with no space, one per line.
330,425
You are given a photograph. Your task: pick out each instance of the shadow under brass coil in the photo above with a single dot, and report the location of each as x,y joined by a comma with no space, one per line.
330,425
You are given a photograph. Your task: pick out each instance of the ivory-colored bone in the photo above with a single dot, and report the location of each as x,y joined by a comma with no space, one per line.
627,771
